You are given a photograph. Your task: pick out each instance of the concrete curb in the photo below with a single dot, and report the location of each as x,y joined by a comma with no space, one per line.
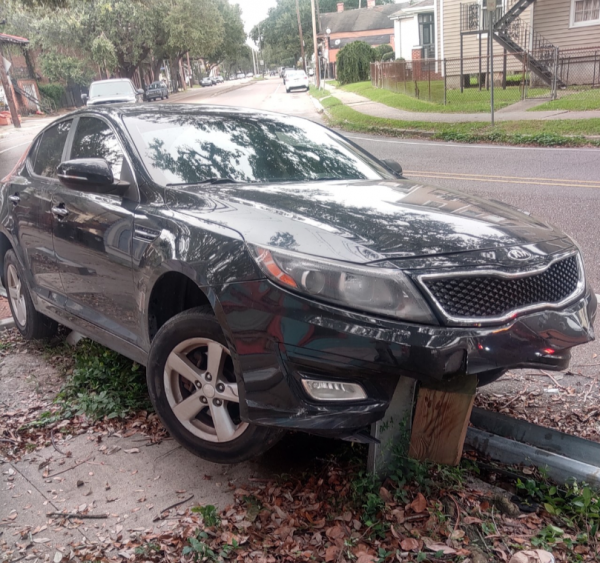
7,323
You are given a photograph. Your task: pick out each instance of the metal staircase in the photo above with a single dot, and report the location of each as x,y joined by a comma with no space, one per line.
514,35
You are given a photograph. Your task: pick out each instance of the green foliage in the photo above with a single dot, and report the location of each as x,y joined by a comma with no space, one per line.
354,62
103,384
200,550
383,50
209,514
326,6
64,68
390,56
53,92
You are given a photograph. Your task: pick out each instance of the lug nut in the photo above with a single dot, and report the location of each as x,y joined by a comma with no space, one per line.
198,385
208,377
203,400
220,387
217,402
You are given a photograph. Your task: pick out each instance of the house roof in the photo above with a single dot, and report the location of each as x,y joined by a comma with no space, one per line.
362,19
5,38
409,9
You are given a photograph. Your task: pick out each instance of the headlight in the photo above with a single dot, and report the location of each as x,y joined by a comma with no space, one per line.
385,291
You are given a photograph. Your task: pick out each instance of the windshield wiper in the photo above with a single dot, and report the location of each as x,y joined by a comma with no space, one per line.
208,181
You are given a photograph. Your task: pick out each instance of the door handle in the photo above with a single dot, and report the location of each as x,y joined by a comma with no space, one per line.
14,198
60,211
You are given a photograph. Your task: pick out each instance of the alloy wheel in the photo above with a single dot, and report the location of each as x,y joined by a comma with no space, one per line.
201,390
15,293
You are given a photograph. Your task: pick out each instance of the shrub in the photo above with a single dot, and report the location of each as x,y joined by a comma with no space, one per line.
354,62
53,92
390,56
382,52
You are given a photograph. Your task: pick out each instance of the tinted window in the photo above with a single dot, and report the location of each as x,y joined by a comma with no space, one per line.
189,148
95,139
50,149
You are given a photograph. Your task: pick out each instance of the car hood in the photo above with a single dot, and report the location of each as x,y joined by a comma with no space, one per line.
110,100
362,221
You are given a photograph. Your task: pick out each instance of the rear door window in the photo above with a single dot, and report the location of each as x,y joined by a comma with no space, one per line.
50,149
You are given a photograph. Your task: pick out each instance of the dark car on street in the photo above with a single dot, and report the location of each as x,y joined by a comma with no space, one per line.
155,91
270,274
206,81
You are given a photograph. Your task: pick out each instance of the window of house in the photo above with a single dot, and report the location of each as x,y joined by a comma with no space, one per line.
585,12
426,36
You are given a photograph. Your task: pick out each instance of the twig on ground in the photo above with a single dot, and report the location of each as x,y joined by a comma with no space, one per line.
501,535
71,515
159,516
588,391
69,468
585,365
9,440
457,513
54,444
553,379
520,395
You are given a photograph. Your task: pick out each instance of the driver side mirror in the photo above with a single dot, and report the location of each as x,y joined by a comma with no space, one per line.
394,167
140,91
90,175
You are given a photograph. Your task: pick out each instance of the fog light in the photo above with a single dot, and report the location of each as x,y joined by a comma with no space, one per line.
333,390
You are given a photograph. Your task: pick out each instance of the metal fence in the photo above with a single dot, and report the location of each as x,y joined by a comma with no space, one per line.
464,84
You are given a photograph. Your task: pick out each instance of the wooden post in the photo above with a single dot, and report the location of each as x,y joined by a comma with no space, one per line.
8,92
441,418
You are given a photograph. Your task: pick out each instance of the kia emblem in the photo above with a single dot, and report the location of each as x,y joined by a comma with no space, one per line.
519,254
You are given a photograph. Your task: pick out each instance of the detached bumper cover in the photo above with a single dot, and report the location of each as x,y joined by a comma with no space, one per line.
280,337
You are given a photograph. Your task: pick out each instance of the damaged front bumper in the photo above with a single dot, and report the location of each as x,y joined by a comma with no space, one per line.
280,338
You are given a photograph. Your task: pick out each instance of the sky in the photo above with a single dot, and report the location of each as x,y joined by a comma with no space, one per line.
254,11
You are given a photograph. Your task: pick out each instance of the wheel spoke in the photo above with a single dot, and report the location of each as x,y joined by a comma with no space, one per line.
216,359
188,408
12,291
230,393
184,367
224,426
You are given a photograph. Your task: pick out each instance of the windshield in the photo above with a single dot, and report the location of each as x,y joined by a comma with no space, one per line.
191,148
110,89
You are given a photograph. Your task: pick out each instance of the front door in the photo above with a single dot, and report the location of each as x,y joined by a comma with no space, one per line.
30,194
93,237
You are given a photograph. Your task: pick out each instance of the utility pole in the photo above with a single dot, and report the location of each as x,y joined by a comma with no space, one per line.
301,37
8,92
314,27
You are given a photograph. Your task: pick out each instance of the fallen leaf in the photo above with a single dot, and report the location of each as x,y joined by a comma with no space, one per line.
419,504
409,544
434,546
469,520
331,553
132,451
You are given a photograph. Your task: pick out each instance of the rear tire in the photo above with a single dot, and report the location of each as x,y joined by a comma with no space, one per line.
31,324
193,388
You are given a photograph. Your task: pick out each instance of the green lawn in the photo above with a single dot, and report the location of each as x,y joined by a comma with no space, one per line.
573,101
544,133
472,100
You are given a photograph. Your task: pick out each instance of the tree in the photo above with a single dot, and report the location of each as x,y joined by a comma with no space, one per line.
233,38
280,29
354,62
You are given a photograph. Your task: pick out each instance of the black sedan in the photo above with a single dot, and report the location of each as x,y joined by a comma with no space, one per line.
272,275
155,91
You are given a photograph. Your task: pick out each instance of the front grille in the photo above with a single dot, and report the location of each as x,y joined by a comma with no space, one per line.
494,296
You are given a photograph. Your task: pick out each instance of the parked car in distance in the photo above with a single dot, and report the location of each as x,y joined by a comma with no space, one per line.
285,72
156,90
272,275
249,75
240,75
219,79
295,80
113,91
206,81
311,72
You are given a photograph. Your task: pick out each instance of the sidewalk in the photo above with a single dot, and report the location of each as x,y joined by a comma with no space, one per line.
376,109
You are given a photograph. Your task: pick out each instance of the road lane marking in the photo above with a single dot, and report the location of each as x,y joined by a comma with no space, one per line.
596,183
15,147
496,181
471,146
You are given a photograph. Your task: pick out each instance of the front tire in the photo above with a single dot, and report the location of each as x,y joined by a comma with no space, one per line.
193,388
31,324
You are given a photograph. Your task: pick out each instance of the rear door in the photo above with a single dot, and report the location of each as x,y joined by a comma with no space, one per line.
30,194
93,238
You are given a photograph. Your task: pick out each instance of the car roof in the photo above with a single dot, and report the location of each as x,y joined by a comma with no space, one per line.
111,80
